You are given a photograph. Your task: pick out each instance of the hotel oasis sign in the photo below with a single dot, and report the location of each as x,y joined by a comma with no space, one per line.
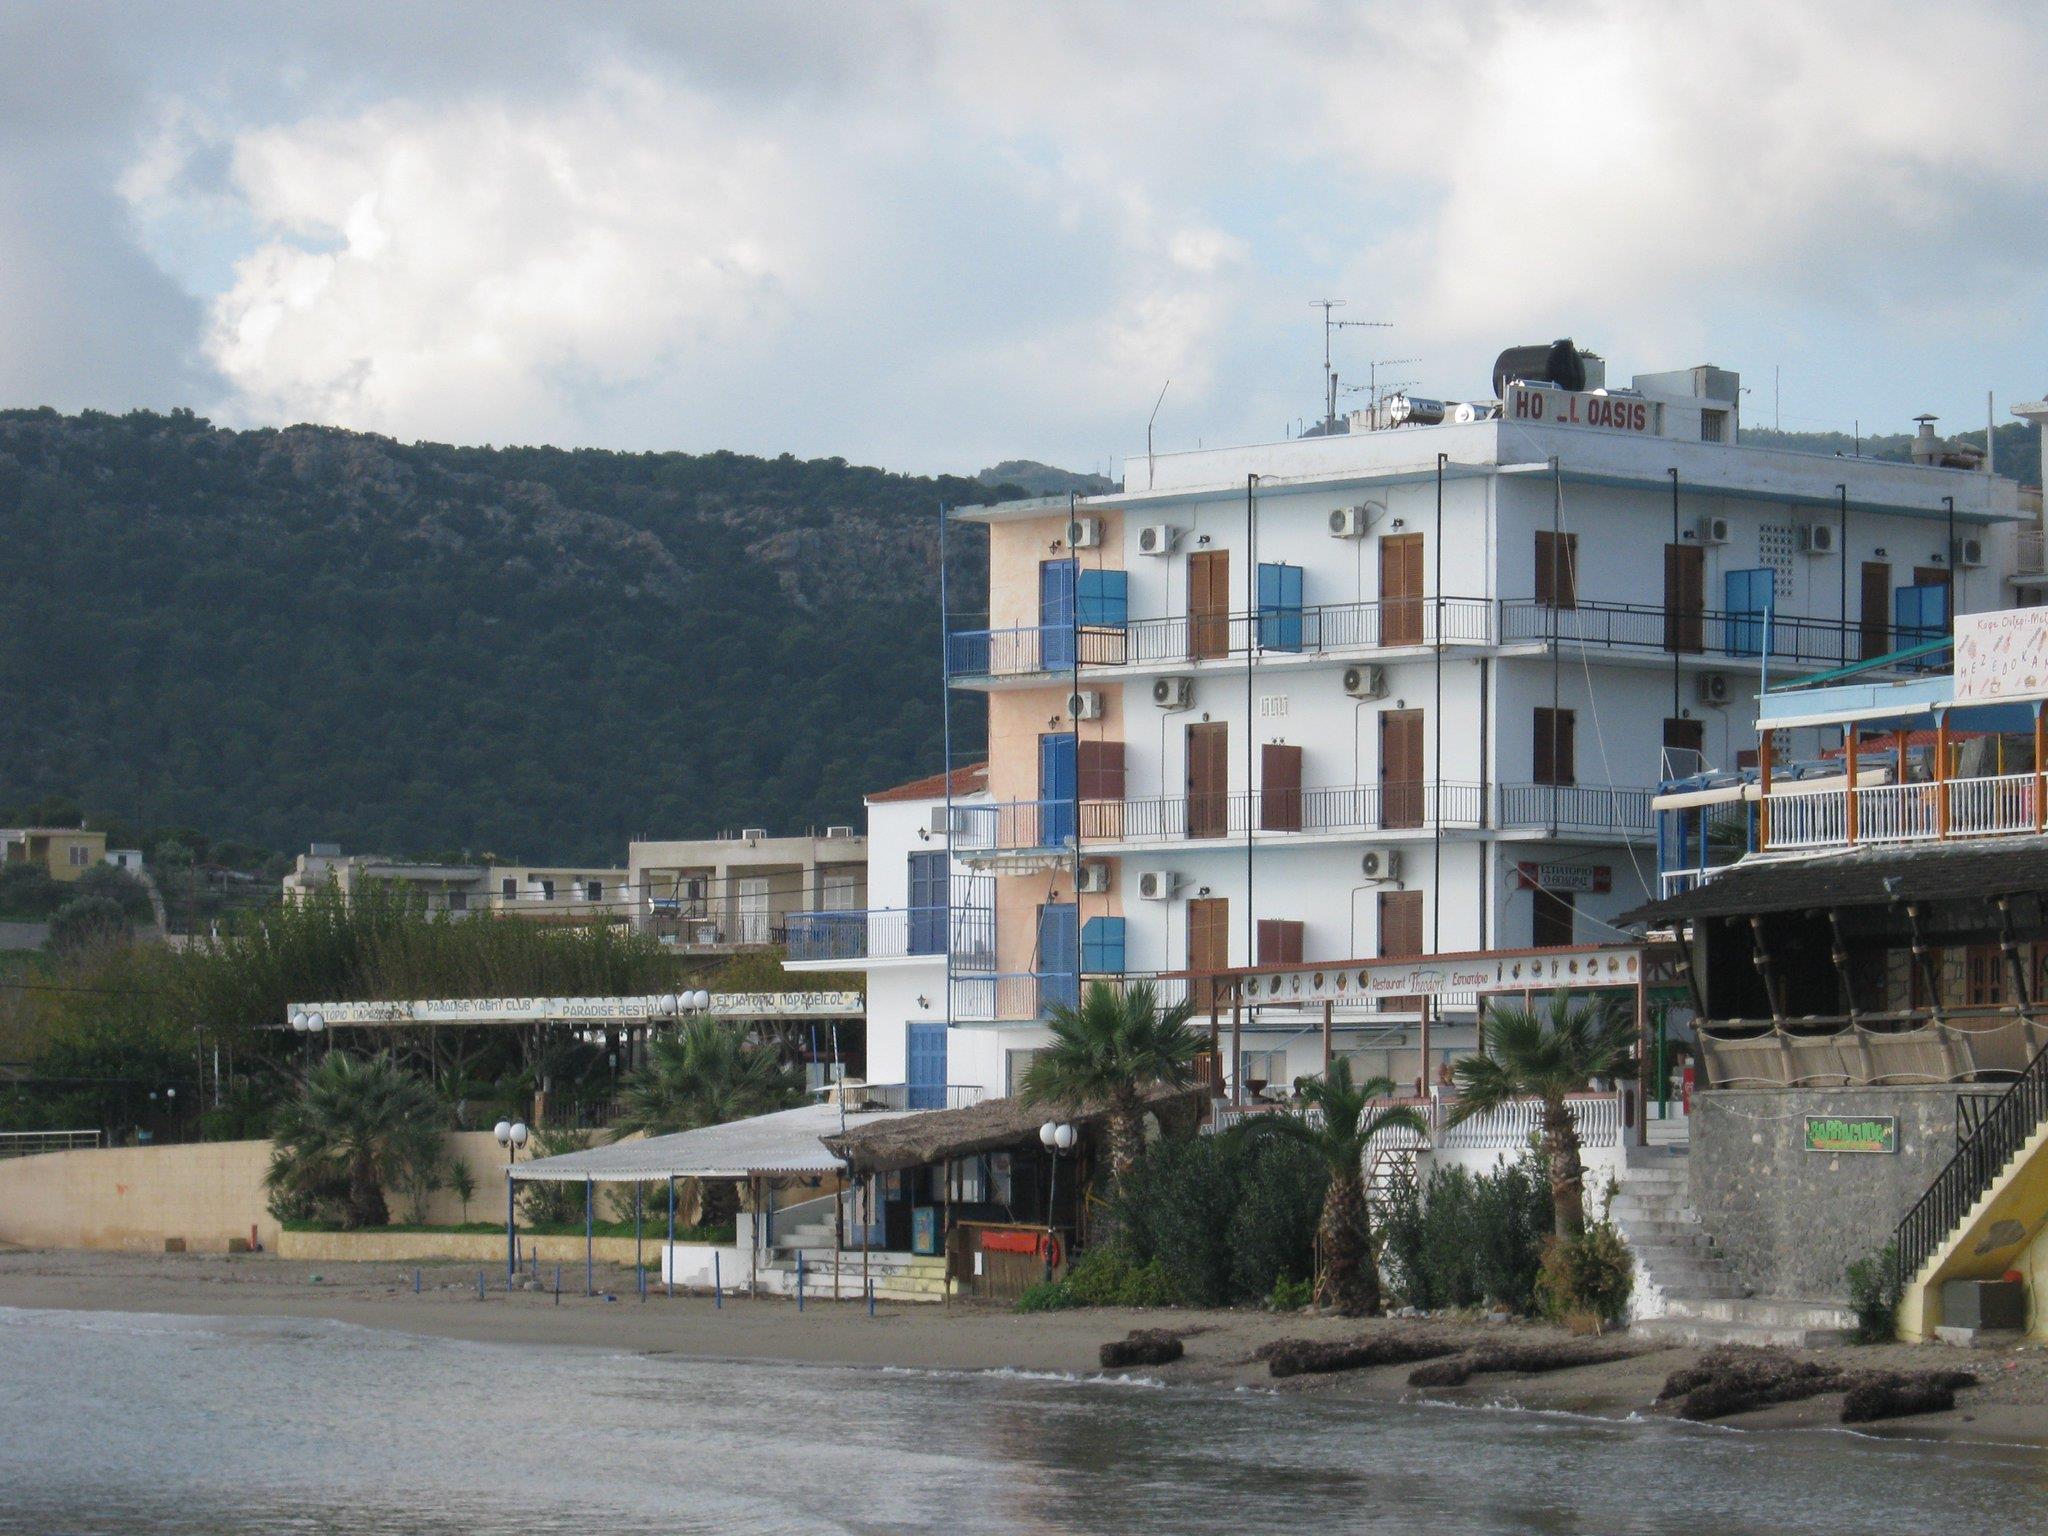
1562,408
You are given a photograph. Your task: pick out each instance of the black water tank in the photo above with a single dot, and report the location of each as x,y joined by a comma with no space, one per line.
1559,364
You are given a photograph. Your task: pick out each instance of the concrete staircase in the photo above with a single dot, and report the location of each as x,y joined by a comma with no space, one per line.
897,1276
1686,1292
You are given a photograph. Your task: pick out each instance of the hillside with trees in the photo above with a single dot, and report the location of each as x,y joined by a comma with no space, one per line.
310,633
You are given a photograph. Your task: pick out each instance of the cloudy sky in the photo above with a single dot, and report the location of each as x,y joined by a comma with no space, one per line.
931,236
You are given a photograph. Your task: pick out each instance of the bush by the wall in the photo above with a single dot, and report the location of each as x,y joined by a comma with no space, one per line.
1226,1217
1463,1239
1874,1295
1589,1277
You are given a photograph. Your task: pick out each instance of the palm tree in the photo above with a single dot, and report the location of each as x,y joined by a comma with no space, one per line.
355,1126
1532,1054
1110,1051
706,1073
1337,1122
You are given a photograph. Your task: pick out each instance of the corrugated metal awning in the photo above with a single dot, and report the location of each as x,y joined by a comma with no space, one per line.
786,1142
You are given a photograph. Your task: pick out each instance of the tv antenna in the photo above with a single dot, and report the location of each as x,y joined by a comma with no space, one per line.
1332,324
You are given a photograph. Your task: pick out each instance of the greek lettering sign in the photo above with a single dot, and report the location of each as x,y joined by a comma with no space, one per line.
1594,879
1852,1133
1431,975
547,1010
1562,408
2002,656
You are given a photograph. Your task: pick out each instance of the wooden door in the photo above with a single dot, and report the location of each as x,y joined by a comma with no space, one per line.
1279,788
1552,918
1401,797
1209,780
1685,598
1400,936
1556,758
1209,604
1875,624
1401,589
1208,946
1557,569
1685,747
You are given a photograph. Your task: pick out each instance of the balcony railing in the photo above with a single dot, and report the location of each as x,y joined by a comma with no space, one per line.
1703,632
2031,553
891,933
1323,630
1997,806
1014,826
1576,807
1011,997
1512,1127
866,1097
1336,808
1676,882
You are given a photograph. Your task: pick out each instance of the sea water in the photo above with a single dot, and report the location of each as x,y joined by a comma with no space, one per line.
142,1425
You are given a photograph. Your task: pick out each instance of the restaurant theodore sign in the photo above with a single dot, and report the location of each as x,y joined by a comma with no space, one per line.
575,1010
1433,975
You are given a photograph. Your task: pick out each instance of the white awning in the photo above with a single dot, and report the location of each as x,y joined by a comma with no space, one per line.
786,1142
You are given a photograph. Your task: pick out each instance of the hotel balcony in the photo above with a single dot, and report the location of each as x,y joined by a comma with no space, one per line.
855,940
1011,997
1710,634
1595,810
2000,805
1278,634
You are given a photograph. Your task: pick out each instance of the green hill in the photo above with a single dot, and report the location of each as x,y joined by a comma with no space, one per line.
312,633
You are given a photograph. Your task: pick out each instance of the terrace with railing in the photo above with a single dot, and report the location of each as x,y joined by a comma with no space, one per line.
891,933
1512,1127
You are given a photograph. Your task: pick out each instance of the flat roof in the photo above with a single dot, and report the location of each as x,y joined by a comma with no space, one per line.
786,1142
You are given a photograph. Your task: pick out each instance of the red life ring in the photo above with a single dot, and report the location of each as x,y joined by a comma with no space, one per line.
1051,1249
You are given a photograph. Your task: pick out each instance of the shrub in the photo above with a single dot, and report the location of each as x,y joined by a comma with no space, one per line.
1223,1216
1589,1276
1107,1276
1463,1238
87,922
1874,1295
551,1202
1290,1295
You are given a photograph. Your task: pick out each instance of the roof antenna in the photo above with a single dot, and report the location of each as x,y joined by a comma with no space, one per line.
1148,430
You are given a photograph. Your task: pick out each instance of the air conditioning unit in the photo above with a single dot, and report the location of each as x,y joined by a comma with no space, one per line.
1714,688
1381,864
1158,539
838,834
1366,682
1352,522
1084,532
1174,692
1094,877
1967,554
1715,530
1817,539
1157,884
1086,704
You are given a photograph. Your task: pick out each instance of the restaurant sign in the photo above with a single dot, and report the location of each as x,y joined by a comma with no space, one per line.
654,1008
1563,408
2001,656
1852,1133
1432,975
1591,879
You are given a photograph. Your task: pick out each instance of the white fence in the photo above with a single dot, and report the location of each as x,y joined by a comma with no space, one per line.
1507,1129
28,1143
1994,806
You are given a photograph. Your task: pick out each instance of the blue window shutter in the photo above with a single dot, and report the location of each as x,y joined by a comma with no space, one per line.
1102,946
1103,599
1280,607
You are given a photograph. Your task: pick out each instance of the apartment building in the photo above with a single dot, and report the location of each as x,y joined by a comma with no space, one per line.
1405,688
717,895
555,893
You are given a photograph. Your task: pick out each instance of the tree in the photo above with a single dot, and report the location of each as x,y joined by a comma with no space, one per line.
355,1126
1336,1120
705,1073
1546,1055
1110,1051
88,922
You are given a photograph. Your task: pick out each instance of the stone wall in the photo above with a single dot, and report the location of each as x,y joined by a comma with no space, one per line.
1791,1221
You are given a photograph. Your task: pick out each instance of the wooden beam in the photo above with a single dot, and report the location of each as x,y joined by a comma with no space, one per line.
1766,972
1850,807
1763,807
1941,809
1929,978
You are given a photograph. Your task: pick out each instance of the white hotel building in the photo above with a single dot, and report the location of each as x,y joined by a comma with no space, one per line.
1379,692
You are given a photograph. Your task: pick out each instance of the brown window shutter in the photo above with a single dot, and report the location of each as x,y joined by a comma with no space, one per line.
1544,768
1099,770
1279,788
1208,753
1555,758
1557,569
1280,941
1546,567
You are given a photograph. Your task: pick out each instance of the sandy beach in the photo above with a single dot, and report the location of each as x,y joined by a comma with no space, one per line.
2010,1406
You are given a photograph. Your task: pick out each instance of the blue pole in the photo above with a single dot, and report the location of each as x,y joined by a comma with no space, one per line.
717,1285
799,1279
479,1285
668,1267
589,1238
558,1285
871,1296
639,1266
415,1282
511,1232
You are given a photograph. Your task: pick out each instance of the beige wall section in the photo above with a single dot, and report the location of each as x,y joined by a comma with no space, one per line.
1017,717
1016,549
205,1193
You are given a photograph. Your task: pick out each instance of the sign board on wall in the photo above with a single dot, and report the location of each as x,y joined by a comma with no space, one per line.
574,1010
1852,1133
1592,879
1431,975
2002,656
1563,408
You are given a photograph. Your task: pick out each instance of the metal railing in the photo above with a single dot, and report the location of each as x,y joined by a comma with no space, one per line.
31,1143
890,933
1576,807
1013,826
1699,632
1001,997
1321,630
899,1096
2031,552
1335,808
1675,882
2004,1128
1597,1117
2001,805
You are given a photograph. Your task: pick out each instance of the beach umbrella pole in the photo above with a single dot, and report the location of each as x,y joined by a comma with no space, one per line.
589,1237
668,1263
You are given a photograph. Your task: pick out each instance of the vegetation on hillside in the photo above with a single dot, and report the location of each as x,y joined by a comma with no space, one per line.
318,633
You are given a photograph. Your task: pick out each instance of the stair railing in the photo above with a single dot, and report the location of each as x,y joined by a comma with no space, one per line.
2001,1131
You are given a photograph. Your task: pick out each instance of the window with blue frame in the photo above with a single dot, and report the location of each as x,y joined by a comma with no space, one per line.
1102,946
1102,599
928,904
1059,954
1749,595
1920,614
1280,607
1056,614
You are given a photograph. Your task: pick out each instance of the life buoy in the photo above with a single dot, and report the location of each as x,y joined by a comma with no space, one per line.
1051,1249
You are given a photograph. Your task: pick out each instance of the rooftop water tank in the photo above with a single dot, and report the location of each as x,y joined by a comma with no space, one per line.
1559,363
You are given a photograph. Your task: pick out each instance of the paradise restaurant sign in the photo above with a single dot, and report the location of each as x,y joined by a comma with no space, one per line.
577,1010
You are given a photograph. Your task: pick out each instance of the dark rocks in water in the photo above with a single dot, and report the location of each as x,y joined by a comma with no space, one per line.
1738,1380
1895,1394
1532,1358
1143,1346
1317,1357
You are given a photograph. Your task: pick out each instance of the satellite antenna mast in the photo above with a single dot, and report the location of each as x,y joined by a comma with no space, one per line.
1332,324
1148,430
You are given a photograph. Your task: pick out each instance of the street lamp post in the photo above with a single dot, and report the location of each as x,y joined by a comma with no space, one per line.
511,1135
309,1024
1057,1137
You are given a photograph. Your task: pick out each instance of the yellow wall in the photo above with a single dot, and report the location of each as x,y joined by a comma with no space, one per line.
2007,1230
52,850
